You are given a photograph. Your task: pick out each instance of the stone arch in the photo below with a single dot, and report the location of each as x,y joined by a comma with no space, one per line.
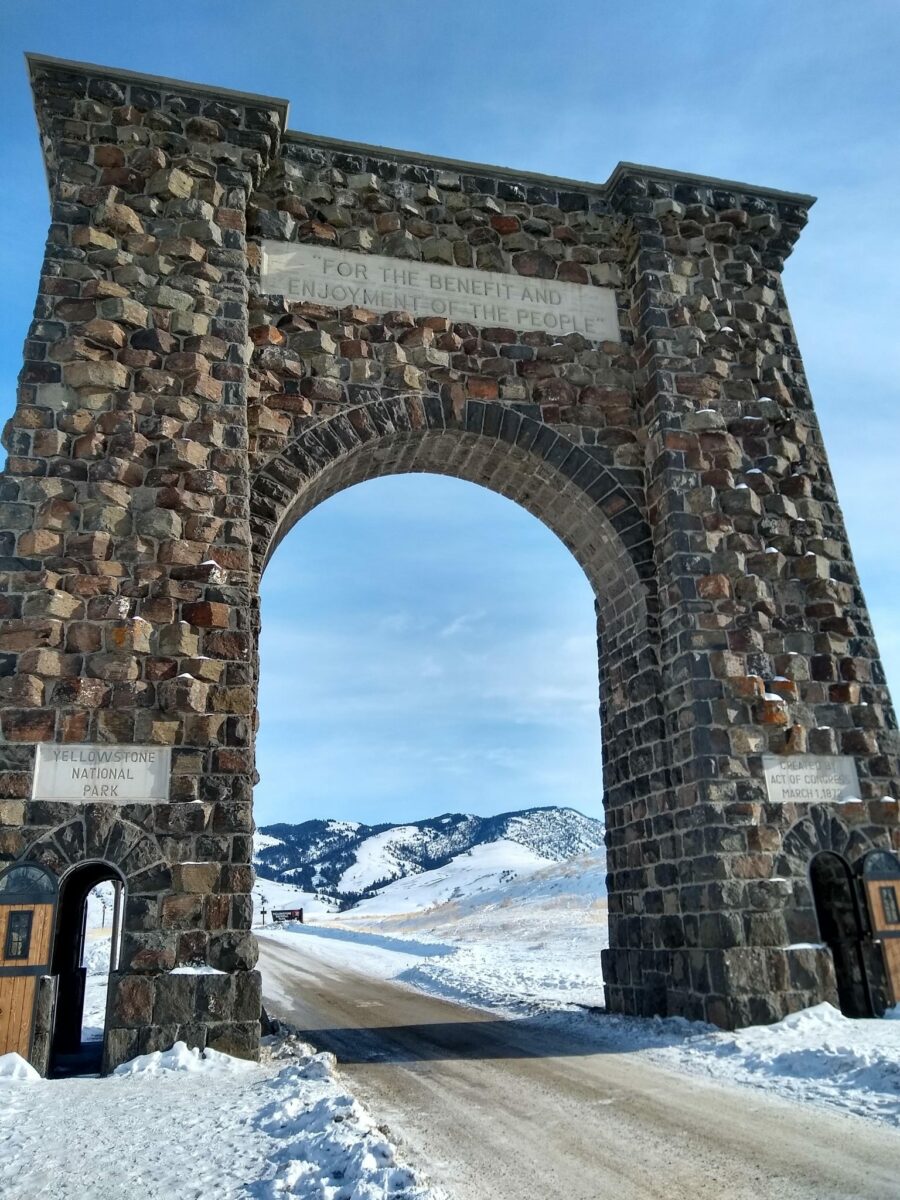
98,834
821,828
597,515
570,490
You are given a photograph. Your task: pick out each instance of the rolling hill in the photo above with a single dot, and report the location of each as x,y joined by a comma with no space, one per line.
342,863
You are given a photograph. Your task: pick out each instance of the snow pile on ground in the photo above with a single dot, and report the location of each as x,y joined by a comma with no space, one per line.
96,955
324,1144
198,1125
815,1055
96,960
13,1066
182,1058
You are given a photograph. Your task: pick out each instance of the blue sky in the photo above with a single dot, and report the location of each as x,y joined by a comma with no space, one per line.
427,645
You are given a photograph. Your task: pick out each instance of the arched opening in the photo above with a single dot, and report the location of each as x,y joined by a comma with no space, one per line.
592,503
90,908
841,927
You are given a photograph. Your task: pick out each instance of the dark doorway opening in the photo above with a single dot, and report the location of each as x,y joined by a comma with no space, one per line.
73,1053
842,928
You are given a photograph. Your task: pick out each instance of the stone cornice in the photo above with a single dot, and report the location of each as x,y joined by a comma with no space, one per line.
62,65
620,173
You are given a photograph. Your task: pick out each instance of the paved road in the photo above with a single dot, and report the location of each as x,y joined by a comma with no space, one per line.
499,1109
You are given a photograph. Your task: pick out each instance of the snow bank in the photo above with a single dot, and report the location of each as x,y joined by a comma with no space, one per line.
96,956
815,1055
14,1067
196,969
325,1144
285,1128
181,1058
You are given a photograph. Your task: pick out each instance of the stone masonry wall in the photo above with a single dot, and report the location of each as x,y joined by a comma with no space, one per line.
127,577
173,422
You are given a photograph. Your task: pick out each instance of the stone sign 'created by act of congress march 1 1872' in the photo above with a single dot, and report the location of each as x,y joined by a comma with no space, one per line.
484,298
810,779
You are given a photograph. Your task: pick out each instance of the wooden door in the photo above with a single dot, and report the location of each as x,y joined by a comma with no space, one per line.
883,897
26,931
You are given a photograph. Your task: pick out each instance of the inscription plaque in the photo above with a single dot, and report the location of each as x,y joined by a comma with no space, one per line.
342,277
810,779
82,774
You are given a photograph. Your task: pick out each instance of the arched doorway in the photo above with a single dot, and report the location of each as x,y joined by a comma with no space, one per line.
74,1049
841,926
585,503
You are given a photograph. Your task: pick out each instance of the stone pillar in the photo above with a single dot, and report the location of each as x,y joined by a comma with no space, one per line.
126,579
765,641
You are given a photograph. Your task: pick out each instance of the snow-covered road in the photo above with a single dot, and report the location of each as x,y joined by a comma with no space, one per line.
508,1109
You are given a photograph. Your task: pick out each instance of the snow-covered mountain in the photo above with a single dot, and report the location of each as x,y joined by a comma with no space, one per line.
345,862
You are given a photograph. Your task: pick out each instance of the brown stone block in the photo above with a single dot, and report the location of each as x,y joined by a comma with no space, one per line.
772,712
749,687
714,587
30,634
885,811
95,376
233,761
858,741
73,726
192,947
12,842
232,700
182,553
198,877
266,335
786,688
178,639
90,238
170,184
24,691
12,812
88,693
227,645
118,218
115,726
152,952
207,613
183,694
29,725
289,403
158,610
217,911
132,1000
115,668
39,542
482,387
184,911
156,669
132,634
186,248
53,603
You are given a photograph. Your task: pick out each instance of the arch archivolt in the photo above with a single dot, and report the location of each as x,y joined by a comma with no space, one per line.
563,484
97,834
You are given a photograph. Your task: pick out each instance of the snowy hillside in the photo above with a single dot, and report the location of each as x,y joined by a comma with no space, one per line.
346,863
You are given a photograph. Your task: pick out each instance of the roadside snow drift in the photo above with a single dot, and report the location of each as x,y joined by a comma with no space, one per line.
816,1054
186,1123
